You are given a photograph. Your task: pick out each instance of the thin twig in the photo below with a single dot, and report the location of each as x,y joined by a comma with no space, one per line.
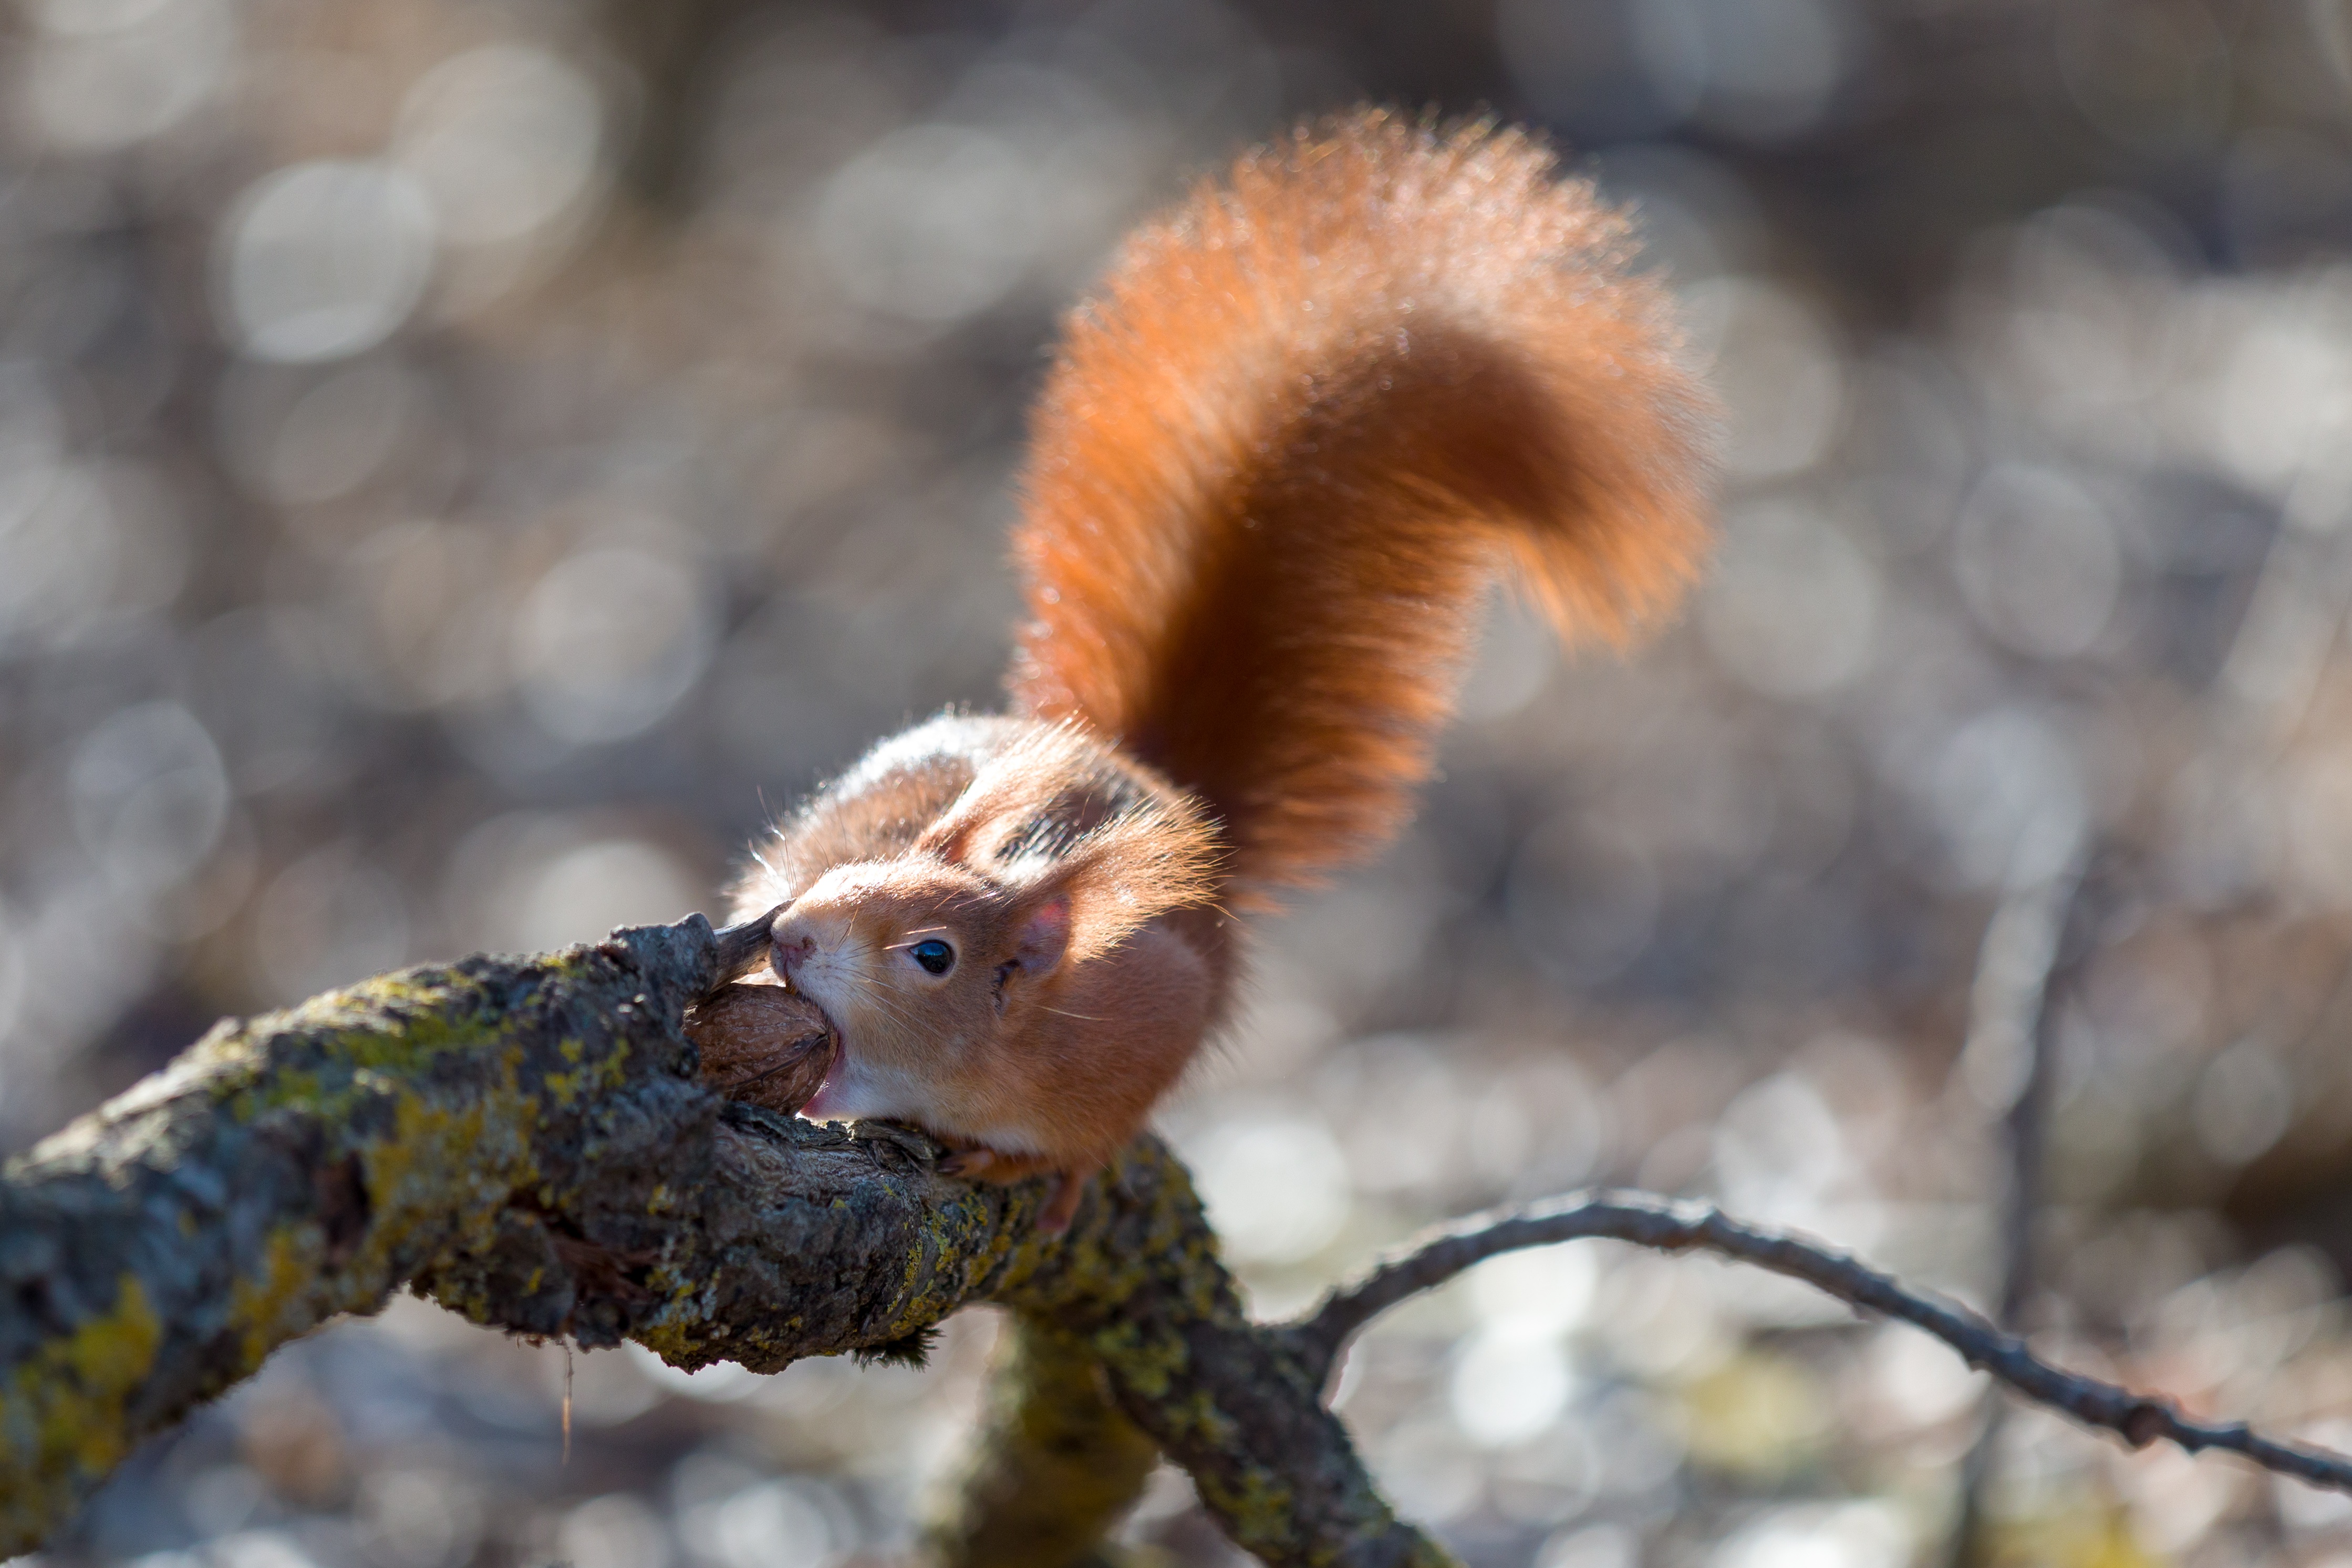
2038,939
2062,916
2138,1418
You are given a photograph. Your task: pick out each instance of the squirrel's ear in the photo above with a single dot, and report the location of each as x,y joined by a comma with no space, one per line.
950,837
1045,935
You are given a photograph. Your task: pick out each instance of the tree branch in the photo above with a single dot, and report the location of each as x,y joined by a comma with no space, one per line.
2138,1418
524,1140
1050,1469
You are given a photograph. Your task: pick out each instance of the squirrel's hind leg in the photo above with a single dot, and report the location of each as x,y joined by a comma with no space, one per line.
1063,1207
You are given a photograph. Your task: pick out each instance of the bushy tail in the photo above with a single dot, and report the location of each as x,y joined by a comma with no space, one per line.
1312,415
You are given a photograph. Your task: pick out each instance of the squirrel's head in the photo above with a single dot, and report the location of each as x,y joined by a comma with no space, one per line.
933,965
923,966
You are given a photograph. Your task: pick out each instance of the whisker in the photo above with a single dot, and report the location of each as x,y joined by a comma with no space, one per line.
881,1002
905,1019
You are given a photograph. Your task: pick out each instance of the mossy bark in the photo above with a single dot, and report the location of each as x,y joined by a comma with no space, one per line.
525,1141
1051,1465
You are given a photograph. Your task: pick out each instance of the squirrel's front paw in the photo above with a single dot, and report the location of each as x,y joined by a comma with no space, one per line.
976,1163
980,1163
966,1162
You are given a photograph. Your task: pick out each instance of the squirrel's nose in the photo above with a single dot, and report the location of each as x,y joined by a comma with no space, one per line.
791,951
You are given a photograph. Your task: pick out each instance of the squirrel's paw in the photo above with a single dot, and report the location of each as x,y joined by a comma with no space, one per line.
965,1161
976,1163
1063,1207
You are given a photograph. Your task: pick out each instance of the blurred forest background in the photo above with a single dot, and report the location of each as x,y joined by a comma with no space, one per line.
466,464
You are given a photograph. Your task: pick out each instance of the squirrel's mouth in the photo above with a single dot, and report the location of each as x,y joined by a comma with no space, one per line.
828,1104
825,1103
836,1099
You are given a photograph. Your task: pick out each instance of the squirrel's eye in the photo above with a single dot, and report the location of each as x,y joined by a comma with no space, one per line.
934,955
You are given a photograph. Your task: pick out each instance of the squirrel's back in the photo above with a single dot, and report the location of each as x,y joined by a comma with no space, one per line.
1309,419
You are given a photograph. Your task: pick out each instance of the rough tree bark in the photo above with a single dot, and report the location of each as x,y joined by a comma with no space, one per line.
1052,1467
526,1141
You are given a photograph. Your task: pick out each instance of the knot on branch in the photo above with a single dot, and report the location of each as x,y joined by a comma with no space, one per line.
2145,1419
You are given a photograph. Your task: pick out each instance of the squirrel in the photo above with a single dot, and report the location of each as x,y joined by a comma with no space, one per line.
1312,416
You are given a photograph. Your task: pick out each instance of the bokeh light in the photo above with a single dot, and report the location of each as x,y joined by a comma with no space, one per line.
465,468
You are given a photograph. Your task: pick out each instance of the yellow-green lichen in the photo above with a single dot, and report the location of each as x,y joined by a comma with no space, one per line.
384,1030
675,1341
1260,1510
605,1075
267,1311
1050,1466
393,1027
418,1079
64,1417
484,1145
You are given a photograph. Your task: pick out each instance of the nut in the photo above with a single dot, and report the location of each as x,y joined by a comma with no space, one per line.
762,1044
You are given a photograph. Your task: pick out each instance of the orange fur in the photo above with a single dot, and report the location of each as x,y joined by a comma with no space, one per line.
1316,413
1123,870
1060,875
1313,415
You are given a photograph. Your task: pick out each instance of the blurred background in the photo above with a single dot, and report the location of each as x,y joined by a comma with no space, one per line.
466,464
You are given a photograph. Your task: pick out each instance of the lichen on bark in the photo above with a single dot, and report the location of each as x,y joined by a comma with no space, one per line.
304,1164
525,1140
1051,1466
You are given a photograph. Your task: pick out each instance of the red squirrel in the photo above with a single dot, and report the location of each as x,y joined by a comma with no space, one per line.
1314,413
